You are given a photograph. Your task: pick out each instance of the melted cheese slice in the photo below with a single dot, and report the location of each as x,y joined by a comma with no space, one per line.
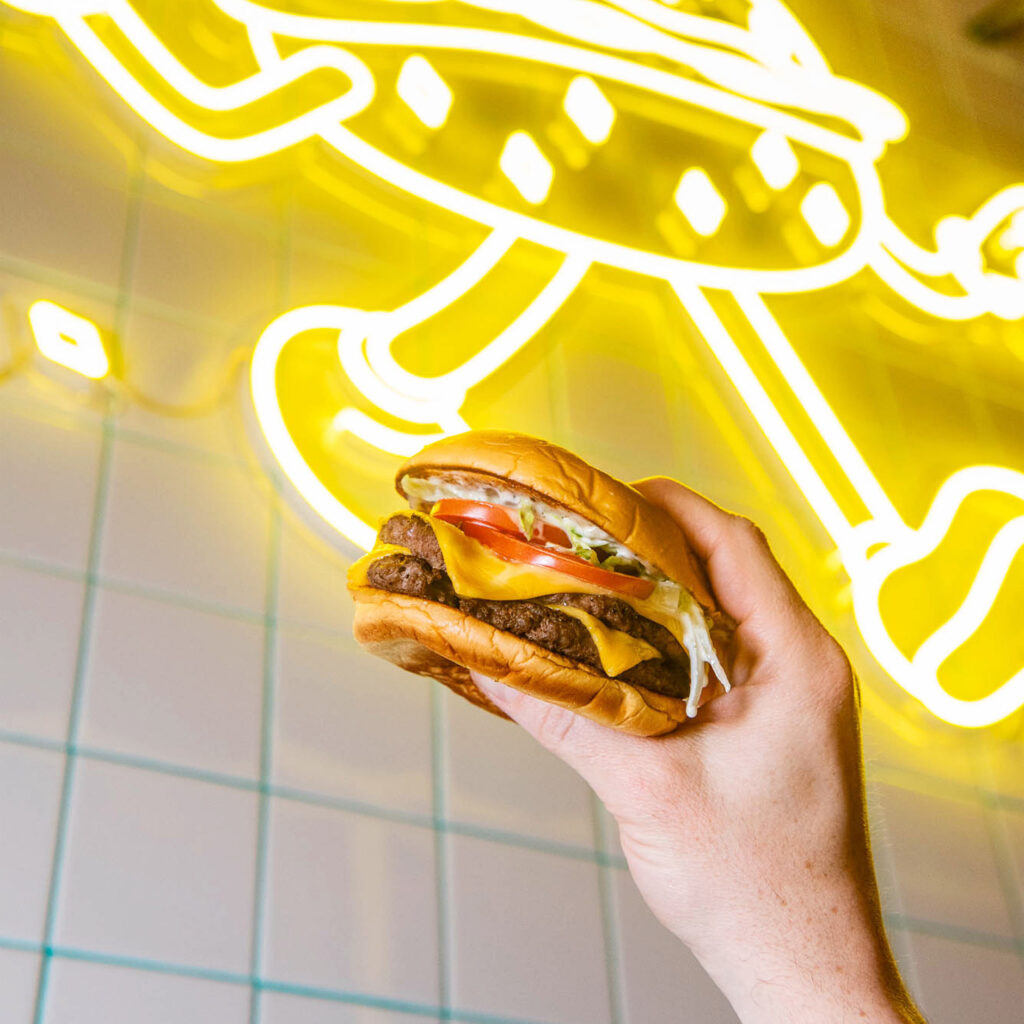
476,571
357,570
618,651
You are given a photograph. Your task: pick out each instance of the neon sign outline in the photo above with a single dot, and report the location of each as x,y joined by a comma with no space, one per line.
745,74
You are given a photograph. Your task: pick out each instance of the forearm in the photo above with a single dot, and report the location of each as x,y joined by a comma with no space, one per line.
812,962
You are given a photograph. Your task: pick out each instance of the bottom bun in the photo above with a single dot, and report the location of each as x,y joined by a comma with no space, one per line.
433,639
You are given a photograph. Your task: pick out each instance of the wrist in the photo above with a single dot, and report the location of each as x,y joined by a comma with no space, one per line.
808,968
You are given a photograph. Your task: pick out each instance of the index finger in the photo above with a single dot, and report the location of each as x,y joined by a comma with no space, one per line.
745,577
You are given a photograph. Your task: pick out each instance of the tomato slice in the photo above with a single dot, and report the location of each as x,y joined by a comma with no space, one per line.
515,550
458,511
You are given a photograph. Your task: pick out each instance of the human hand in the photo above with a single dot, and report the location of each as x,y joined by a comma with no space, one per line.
745,831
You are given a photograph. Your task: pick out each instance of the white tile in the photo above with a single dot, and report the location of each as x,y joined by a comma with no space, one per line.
498,776
277,1008
190,255
961,983
527,934
49,471
174,684
311,589
1011,829
39,627
68,223
351,904
350,725
659,974
30,784
176,366
1006,769
943,859
19,975
85,993
159,867
192,525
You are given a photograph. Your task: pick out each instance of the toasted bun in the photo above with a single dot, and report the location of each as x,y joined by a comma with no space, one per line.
433,639
562,479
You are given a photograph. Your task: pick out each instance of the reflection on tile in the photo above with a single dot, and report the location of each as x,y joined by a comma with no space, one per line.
1012,825
350,725
158,867
173,368
944,862
75,230
174,684
19,973
311,590
283,1009
186,524
39,620
192,256
960,983
351,904
49,479
527,934
85,993
659,974
499,777
30,783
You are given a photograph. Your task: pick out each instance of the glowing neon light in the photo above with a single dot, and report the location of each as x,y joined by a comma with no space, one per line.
524,164
768,76
67,339
824,212
424,91
588,108
775,159
701,203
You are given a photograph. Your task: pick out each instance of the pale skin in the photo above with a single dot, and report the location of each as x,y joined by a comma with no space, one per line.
745,831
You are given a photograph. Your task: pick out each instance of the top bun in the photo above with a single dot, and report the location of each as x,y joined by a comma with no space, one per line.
558,477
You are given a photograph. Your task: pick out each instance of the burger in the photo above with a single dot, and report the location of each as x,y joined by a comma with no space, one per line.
518,560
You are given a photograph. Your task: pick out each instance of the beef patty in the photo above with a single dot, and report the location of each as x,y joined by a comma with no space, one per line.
422,574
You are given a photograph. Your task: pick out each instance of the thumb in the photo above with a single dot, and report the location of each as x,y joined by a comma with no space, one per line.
599,754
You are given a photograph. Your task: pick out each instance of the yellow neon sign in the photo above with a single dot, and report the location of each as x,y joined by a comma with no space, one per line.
68,339
765,80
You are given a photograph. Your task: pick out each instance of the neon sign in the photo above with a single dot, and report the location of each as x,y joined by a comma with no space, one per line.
771,128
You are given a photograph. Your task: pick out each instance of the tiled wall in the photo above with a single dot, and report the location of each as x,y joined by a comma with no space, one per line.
213,808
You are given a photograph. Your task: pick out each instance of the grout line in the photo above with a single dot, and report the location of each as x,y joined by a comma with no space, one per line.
953,933
445,943
609,918
398,817
67,783
127,269
266,756
1009,881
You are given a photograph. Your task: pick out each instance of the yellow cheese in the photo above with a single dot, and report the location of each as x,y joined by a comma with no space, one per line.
618,651
357,570
476,571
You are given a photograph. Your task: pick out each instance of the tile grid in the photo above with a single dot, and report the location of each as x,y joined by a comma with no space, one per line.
266,756
128,253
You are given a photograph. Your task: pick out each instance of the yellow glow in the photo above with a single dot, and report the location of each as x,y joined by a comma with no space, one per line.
768,77
825,214
701,203
69,340
424,91
525,165
774,158
589,109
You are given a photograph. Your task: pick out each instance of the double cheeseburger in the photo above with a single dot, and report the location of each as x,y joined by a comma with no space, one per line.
519,560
